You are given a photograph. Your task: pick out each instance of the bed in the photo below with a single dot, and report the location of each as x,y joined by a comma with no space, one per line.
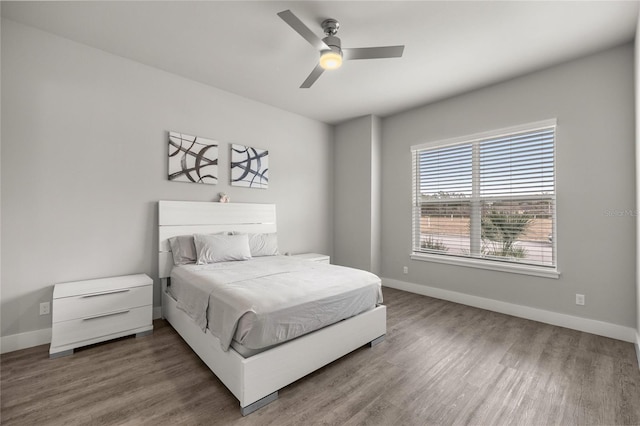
254,372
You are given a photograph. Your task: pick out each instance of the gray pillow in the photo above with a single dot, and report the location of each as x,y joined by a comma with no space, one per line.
221,248
183,249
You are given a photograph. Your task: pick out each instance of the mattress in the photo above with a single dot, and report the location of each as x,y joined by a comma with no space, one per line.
259,303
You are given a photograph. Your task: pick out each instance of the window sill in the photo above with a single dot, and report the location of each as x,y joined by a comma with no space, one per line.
490,265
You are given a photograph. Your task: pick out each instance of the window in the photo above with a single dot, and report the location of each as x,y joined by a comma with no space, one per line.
488,199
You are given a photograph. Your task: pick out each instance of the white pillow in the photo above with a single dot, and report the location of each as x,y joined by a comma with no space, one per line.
221,248
263,244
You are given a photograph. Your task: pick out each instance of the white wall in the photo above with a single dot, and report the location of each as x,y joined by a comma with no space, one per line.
357,194
84,162
593,100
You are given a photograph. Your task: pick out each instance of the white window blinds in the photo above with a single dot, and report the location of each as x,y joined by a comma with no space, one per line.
490,197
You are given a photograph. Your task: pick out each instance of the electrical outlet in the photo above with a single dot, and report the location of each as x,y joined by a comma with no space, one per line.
405,270
45,308
579,299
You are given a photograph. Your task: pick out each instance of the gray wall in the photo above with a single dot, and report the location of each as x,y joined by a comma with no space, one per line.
637,146
357,194
593,100
84,162
0,171
376,193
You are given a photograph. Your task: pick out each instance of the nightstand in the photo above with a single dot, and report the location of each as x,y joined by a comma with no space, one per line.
92,311
315,257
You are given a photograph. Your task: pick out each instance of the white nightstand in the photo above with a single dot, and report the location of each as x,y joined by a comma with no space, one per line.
315,257
92,311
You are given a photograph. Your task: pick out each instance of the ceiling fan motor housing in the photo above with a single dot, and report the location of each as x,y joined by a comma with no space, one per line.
334,43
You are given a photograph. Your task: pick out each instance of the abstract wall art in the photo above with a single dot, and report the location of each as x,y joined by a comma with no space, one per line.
192,159
249,167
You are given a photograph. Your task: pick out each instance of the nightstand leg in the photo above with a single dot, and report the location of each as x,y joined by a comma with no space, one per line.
376,341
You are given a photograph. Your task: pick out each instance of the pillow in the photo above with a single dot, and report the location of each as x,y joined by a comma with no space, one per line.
263,244
183,249
221,248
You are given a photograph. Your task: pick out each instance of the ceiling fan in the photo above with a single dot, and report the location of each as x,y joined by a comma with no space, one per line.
331,52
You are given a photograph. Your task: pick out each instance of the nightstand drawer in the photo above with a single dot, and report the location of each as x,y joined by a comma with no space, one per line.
92,304
94,325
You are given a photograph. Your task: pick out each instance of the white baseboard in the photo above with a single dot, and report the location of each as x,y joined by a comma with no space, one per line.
15,342
600,328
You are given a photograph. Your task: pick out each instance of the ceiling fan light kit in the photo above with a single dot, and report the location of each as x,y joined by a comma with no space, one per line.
330,60
330,47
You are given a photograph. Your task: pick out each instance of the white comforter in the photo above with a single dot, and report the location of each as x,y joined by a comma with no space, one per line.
269,300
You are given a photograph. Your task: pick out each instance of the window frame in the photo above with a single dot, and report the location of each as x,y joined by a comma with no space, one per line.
550,271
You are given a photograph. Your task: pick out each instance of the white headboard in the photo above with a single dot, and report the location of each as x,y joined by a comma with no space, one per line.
196,217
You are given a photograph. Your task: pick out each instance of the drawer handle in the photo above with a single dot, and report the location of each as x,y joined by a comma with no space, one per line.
105,315
124,290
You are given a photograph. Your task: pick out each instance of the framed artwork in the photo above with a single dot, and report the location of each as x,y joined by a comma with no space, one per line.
192,159
249,167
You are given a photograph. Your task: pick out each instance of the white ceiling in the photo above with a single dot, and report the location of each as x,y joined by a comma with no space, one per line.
245,48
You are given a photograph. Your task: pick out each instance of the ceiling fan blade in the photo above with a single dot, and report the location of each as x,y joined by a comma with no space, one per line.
299,27
317,71
372,52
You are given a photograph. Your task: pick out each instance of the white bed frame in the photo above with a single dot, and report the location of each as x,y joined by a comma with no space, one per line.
255,381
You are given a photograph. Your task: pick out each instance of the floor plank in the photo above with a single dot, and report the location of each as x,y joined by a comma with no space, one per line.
441,363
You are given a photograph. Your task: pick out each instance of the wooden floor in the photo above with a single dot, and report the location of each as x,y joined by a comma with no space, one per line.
441,363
